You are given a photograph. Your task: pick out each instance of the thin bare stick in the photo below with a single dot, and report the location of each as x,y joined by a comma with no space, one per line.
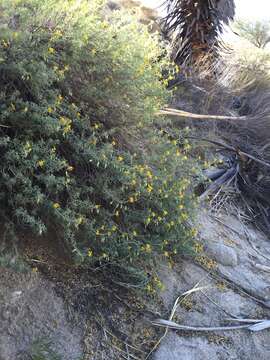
241,289
124,354
175,326
185,114
217,305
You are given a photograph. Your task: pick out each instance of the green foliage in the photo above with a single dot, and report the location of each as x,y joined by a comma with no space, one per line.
80,156
14,262
41,349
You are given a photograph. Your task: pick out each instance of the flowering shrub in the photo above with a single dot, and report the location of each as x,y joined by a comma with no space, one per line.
80,156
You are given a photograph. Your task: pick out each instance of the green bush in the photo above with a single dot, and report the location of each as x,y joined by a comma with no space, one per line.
80,156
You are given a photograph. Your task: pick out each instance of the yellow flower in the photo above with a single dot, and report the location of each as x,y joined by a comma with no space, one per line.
28,147
194,232
67,129
166,254
97,232
63,120
51,50
134,232
149,188
56,205
66,67
90,253
149,174
113,143
50,110
148,248
80,220
131,200
5,44
184,216
120,158
70,168
105,24
198,248
114,228
105,256
41,163
94,51
58,33
34,269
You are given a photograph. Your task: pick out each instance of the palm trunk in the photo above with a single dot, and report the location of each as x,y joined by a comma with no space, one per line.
195,26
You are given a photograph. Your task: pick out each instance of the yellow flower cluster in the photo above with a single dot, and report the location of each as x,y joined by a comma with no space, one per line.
41,163
66,123
207,262
198,247
147,248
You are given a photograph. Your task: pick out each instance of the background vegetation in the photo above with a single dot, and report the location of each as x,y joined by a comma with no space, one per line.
257,32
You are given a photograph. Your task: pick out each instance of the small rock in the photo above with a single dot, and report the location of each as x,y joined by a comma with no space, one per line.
223,254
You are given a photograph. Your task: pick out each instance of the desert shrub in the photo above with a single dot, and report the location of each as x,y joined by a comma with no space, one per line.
80,155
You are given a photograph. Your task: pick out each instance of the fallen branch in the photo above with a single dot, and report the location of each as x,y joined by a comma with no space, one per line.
250,321
175,306
261,325
231,148
185,114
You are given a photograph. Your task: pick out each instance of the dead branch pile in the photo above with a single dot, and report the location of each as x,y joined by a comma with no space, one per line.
242,139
